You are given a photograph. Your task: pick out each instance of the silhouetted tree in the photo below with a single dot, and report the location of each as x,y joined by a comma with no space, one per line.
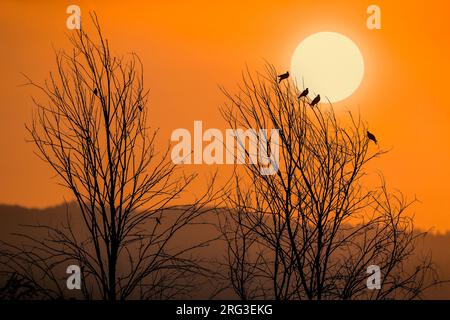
311,230
18,287
93,132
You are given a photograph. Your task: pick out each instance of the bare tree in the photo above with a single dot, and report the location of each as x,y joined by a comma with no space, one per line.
311,230
93,132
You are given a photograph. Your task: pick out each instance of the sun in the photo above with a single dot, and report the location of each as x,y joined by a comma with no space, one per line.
329,64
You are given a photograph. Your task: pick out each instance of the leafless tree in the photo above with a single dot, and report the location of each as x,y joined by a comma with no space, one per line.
311,230
92,130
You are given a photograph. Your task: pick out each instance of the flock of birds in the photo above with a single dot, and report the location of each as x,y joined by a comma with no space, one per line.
316,100
303,94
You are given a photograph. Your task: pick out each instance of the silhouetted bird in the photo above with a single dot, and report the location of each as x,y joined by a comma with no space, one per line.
283,76
158,221
140,107
371,136
315,101
304,93
95,91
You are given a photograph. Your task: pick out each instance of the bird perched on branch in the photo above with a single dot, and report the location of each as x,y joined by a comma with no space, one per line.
95,91
315,101
304,93
283,76
140,107
158,221
371,136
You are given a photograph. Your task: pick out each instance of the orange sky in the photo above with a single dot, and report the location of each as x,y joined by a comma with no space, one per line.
190,47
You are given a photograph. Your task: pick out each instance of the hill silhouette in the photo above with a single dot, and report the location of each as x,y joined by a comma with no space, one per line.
14,218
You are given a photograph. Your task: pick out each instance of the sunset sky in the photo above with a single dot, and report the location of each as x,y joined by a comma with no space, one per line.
190,48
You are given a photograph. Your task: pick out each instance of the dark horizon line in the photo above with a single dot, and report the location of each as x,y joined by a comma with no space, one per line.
432,230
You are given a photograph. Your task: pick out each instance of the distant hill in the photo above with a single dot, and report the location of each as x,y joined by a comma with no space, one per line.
12,217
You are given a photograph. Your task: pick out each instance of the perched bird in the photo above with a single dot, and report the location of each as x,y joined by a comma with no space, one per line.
315,101
140,107
283,76
158,221
95,91
371,136
304,93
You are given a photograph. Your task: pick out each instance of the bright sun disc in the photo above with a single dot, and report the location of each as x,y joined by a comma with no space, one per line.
329,64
